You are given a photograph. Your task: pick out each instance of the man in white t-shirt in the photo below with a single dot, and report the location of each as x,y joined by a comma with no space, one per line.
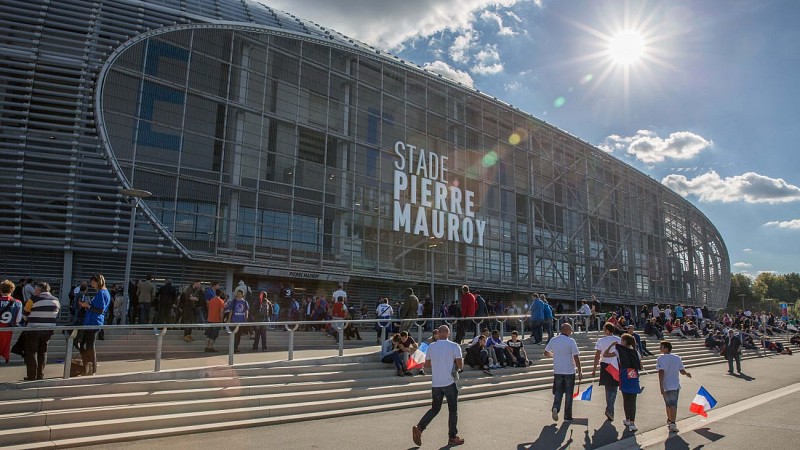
444,360
669,366
339,293
566,359
607,380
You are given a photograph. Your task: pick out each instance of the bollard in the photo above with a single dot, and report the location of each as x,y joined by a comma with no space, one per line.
68,355
159,346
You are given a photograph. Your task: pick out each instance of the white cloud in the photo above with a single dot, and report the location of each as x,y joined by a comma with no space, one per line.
487,61
490,16
387,24
462,45
446,71
747,250
742,265
749,187
791,224
649,148
487,69
512,86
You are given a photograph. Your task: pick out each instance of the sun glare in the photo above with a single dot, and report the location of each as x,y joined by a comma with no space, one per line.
626,48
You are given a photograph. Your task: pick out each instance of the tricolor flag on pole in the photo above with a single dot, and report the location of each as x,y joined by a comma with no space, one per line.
702,402
416,360
585,396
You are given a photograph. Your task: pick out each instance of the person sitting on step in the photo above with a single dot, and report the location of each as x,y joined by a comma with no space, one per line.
390,354
518,355
478,356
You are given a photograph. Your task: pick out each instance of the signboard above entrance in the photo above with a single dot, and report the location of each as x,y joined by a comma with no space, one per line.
283,273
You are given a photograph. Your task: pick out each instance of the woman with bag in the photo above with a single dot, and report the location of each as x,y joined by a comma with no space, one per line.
629,366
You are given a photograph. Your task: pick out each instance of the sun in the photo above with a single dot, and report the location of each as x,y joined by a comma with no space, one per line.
626,48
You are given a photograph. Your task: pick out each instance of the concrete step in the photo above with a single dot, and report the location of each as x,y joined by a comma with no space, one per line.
58,411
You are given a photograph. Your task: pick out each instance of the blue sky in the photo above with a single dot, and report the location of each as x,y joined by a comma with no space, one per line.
708,107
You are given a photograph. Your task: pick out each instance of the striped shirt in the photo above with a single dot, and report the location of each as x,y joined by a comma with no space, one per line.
44,310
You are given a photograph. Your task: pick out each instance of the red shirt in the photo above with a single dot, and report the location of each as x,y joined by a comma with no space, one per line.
469,305
215,310
338,310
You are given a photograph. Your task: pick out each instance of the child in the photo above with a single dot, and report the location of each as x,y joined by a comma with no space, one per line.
668,366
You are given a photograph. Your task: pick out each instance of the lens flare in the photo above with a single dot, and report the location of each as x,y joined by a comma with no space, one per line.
559,102
514,139
490,159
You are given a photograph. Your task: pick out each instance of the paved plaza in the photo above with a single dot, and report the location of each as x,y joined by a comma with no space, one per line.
757,410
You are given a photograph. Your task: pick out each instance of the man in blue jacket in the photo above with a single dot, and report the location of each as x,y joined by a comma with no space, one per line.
548,318
537,319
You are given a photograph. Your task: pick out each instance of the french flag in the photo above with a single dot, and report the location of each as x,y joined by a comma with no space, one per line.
702,402
585,396
613,370
417,359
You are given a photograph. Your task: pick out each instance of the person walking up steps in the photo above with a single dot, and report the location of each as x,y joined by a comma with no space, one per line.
444,360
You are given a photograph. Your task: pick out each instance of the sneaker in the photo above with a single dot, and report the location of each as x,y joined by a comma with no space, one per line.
187,338
555,414
408,373
487,372
626,422
416,435
399,373
610,416
673,428
455,440
632,428
421,372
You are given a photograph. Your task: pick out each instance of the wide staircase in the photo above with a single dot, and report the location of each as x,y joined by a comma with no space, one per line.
103,409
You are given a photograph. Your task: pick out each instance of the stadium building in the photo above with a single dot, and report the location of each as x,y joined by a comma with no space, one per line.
279,151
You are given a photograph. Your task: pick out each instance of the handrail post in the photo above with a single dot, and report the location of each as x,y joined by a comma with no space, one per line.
521,328
340,332
231,337
68,353
419,330
159,347
291,339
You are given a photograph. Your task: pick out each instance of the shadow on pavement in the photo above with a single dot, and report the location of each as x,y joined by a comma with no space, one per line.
551,436
604,435
708,434
744,377
676,443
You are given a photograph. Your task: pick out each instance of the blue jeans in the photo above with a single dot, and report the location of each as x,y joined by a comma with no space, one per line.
439,394
611,397
536,330
563,384
144,313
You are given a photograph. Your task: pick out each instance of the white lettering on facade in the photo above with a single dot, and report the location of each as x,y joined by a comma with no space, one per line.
420,181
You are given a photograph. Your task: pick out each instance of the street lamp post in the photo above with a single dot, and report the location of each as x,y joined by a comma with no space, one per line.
135,195
431,246
742,296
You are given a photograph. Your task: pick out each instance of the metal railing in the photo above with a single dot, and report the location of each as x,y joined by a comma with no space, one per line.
501,323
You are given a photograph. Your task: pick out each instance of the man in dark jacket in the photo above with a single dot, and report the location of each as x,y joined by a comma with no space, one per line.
167,296
733,351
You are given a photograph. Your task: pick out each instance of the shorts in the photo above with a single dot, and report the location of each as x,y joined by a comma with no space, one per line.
212,333
671,398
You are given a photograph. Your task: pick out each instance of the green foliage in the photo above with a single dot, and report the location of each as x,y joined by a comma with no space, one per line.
766,289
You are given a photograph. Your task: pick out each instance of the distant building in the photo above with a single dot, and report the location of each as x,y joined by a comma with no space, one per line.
279,151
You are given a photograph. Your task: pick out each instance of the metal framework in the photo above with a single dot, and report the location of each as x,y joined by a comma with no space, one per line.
270,142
